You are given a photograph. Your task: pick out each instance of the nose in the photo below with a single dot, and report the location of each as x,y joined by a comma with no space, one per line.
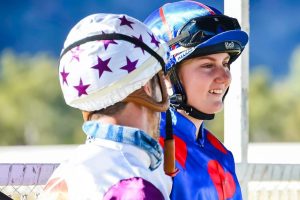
223,75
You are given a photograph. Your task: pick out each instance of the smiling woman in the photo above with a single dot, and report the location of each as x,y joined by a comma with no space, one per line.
203,43
213,71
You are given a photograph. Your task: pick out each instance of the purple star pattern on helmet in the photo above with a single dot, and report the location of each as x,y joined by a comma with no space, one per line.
130,65
75,53
81,88
126,22
64,76
153,40
102,66
108,42
137,46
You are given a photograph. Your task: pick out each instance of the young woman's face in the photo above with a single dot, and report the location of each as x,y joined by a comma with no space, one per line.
205,80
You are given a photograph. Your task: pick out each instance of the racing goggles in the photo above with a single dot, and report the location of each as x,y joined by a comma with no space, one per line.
200,29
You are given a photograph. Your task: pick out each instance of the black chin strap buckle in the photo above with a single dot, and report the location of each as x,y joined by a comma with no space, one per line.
188,110
176,99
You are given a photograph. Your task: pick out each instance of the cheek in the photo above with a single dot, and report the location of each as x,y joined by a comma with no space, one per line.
192,81
186,83
229,78
194,88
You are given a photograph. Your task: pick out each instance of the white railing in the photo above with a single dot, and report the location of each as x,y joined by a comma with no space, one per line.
272,170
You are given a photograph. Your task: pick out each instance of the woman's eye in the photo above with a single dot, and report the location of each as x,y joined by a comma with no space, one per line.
207,65
227,65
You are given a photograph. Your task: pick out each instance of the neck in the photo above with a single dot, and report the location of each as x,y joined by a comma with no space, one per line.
197,122
137,116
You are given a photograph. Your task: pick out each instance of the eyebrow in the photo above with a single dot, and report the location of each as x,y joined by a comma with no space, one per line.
211,58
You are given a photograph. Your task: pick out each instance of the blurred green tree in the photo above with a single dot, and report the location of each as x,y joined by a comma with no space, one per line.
32,109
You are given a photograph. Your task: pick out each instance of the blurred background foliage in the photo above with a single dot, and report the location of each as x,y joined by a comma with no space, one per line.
33,111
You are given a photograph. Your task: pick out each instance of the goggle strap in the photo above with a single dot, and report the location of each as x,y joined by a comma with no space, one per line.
178,50
178,38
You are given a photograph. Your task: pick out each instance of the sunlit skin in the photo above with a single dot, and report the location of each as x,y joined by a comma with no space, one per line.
205,80
136,115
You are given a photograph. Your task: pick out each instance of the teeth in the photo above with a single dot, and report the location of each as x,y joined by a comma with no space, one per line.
215,91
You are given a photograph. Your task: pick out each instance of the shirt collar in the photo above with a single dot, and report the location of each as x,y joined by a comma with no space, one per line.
187,128
126,135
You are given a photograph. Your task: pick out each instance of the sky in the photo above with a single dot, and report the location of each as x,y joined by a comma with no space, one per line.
274,33
33,26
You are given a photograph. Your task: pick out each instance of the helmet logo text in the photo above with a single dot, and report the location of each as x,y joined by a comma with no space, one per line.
229,45
184,54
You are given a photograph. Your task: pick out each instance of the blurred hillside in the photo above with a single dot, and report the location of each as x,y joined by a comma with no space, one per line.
32,107
33,110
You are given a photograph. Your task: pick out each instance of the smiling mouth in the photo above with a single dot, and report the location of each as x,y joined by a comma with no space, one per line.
216,91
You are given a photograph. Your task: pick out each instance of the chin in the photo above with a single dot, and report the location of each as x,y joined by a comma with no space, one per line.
215,109
219,109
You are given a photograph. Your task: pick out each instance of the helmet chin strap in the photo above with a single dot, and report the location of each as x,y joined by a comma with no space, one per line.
179,99
140,97
193,112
